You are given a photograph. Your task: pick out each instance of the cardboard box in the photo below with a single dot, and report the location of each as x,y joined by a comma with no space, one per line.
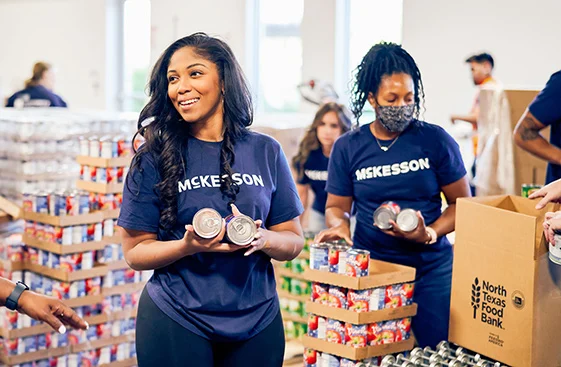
527,168
356,354
99,187
66,276
361,318
66,220
506,294
10,209
381,273
34,356
68,249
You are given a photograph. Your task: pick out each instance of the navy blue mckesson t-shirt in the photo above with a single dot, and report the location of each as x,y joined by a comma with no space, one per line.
219,296
411,173
315,175
36,93
546,107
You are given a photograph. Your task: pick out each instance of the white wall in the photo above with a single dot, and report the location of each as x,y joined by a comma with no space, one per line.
70,34
523,37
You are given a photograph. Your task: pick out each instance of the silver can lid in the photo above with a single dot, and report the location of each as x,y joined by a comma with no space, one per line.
321,245
207,223
382,217
241,230
359,252
407,220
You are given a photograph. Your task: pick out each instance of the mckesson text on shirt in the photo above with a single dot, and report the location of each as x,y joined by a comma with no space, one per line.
199,182
392,169
316,175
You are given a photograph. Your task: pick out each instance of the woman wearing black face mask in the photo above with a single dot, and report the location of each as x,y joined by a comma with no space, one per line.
399,158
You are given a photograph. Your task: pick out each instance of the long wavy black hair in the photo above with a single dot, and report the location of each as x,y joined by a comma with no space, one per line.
384,59
166,136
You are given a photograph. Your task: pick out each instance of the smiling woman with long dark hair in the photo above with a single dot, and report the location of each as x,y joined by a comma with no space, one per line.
210,302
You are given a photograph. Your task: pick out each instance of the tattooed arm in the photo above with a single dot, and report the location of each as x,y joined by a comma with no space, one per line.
528,137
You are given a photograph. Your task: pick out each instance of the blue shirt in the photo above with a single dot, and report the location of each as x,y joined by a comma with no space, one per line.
546,107
38,92
315,175
219,296
411,173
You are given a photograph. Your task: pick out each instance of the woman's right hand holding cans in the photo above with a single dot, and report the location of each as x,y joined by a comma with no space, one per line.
195,244
342,231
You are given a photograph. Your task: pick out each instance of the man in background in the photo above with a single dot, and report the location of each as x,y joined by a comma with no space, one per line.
482,66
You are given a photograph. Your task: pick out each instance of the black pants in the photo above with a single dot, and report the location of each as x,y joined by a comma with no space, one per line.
161,342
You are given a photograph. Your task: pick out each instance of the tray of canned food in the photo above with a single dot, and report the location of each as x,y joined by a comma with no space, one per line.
340,265
362,306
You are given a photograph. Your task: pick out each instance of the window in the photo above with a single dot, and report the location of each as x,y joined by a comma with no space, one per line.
279,70
365,22
136,54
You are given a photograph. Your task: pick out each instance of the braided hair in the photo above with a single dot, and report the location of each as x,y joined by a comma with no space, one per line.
166,136
384,59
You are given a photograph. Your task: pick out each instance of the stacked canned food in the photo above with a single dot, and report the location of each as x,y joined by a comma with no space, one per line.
313,358
70,235
69,202
358,336
105,175
105,147
338,257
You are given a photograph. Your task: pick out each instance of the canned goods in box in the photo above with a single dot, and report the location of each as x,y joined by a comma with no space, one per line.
29,228
240,229
338,258
28,202
311,358
49,233
359,300
106,201
84,146
108,147
317,326
407,220
374,333
338,297
207,223
384,213
319,255
85,173
54,260
123,147
320,293
111,174
389,329
358,262
40,231
356,335
120,174
70,262
108,229
42,202
101,175
335,331
83,202
118,200
95,146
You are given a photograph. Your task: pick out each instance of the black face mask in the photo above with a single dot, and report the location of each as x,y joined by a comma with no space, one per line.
395,118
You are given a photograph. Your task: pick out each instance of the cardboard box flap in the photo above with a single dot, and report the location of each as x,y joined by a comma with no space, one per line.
10,208
508,222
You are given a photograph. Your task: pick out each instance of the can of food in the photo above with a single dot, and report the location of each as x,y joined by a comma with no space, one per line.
295,308
338,258
40,231
240,229
296,287
320,293
106,201
359,300
319,256
93,174
111,174
54,260
386,212
358,262
108,147
84,173
207,223
42,202
335,332
338,297
84,146
529,189
49,233
83,202
374,333
317,326
69,203
398,295
407,220
123,147
297,266
28,202
119,174
329,360
311,358
403,330
356,335
555,249
101,175
108,228
95,146
79,234
118,200
377,299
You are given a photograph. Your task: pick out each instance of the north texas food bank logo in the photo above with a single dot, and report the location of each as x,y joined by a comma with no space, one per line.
475,296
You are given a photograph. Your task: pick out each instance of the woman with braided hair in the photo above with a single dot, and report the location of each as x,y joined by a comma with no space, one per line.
397,157
210,302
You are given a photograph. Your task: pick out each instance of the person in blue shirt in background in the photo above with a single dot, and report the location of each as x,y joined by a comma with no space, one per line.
38,90
209,302
310,163
397,157
545,110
